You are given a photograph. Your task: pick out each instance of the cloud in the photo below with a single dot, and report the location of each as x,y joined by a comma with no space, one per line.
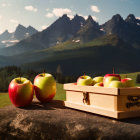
85,17
70,16
44,27
47,9
138,18
95,9
30,8
1,31
3,4
49,15
0,17
95,18
14,21
60,11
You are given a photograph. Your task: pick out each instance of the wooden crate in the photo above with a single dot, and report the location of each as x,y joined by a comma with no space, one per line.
117,103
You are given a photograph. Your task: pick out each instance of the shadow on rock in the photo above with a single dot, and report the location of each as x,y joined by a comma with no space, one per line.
131,120
52,105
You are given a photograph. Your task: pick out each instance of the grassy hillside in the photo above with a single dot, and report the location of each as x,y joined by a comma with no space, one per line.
75,58
71,45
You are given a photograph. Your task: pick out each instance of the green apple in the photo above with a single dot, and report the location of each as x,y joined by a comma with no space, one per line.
45,87
128,82
98,79
109,79
116,84
85,80
99,84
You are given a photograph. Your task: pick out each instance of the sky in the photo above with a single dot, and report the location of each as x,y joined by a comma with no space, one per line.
42,13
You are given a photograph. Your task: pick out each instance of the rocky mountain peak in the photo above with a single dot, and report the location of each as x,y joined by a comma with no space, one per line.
65,17
21,31
91,22
131,19
90,18
117,18
31,30
78,18
19,27
6,32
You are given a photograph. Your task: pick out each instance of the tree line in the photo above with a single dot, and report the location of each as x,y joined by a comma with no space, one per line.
7,74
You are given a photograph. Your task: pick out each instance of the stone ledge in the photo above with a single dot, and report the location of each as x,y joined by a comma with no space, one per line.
52,121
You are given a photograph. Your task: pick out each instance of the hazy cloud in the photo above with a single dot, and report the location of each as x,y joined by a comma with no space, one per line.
95,8
1,31
71,16
95,18
3,4
44,27
49,15
85,17
60,11
30,8
138,18
14,21
0,17
47,9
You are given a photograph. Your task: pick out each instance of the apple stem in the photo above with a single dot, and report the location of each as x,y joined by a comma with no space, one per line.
44,72
113,70
20,77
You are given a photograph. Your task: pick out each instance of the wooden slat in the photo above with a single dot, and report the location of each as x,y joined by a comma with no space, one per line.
100,100
92,109
102,111
101,90
128,114
130,91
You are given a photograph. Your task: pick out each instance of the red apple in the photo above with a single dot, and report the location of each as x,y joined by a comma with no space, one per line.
128,82
45,87
110,77
21,92
114,75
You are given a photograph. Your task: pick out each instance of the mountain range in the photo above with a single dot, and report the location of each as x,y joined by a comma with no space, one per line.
79,46
9,39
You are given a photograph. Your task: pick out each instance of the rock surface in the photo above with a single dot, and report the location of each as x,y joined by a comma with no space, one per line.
52,121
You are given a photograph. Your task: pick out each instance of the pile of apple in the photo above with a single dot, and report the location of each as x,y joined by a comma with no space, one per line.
109,80
21,90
